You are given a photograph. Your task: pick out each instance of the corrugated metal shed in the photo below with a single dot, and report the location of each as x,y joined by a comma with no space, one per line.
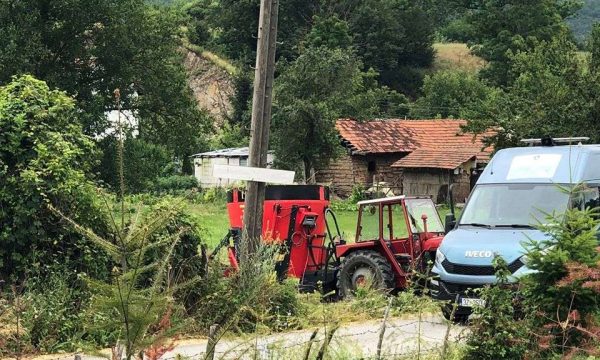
205,162
231,152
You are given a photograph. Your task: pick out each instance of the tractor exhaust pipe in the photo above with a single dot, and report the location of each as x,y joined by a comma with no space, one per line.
451,217
451,198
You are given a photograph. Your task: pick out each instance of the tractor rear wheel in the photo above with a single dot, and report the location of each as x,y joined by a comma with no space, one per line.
364,268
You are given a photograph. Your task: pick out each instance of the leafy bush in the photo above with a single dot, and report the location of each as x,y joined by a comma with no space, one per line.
175,183
144,164
139,301
358,194
457,30
53,310
446,93
249,299
497,333
214,195
44,157
564,290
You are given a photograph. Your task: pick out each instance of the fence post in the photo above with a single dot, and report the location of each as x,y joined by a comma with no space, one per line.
326,342
211,343
310,342
383,325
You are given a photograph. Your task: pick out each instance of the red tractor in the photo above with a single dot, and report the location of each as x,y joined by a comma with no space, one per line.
394,236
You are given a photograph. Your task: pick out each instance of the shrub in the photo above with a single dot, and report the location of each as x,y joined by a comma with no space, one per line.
249,299
214,195
458,30
447,93
563,291
496,331
140,296
144,163
175,183
44,157
53,310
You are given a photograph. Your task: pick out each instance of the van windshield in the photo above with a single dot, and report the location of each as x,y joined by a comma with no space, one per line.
513,205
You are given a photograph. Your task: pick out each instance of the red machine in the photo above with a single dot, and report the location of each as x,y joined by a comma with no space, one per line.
394,236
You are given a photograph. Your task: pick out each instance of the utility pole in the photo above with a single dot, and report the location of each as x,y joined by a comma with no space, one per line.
261,122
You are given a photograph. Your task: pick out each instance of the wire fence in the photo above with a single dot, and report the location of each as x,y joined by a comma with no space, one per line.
402,338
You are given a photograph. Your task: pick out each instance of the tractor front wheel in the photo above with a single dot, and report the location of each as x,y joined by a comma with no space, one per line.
364,268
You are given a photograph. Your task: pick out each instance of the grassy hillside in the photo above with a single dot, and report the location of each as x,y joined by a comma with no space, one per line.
455,56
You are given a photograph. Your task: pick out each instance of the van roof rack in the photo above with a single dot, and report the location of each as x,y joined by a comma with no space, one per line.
549,141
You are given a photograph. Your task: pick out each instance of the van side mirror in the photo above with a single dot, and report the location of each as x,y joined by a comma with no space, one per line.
450,222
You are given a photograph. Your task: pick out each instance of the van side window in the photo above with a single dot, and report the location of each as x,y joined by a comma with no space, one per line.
588,199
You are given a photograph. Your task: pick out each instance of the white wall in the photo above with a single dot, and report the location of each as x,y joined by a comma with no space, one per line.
203,168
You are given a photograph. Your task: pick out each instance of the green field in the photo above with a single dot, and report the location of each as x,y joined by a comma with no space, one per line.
214,222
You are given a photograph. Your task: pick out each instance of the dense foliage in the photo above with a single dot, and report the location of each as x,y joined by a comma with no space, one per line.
496,334
502,28
148,167
555,93
323,85
88,49
44,158
448,93
394,38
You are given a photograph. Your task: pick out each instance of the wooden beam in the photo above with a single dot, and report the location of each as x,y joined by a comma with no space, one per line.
255,174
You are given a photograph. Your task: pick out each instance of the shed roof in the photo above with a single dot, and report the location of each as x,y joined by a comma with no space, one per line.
231,152
439,143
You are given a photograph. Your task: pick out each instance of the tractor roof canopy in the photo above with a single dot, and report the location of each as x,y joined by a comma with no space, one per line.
391,199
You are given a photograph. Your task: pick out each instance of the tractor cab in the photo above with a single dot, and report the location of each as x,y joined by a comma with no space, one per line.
394,237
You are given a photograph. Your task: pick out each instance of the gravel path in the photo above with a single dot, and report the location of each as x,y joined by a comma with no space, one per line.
403,337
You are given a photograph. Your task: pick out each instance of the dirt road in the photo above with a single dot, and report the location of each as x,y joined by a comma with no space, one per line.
403,337
358,340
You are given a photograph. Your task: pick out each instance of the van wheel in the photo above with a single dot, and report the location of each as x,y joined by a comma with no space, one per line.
447,310
364,268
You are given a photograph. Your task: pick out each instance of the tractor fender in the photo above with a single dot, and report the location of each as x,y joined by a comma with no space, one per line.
344,250
432,244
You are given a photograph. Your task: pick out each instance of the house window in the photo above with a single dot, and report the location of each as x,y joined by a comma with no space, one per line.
372,166
243,161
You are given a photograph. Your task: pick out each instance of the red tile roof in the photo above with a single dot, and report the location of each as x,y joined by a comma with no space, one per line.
431,143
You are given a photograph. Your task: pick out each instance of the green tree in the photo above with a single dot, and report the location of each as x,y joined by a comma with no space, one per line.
331,32
144,164
553,94
236,22
321,86
88,49
393,37
447,93
44,157
503,28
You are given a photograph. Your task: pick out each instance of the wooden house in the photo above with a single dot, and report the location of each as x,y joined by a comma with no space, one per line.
413,157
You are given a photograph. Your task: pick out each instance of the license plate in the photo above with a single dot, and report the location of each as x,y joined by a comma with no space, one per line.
472,302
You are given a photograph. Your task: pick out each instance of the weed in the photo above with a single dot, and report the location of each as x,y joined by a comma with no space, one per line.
497,333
